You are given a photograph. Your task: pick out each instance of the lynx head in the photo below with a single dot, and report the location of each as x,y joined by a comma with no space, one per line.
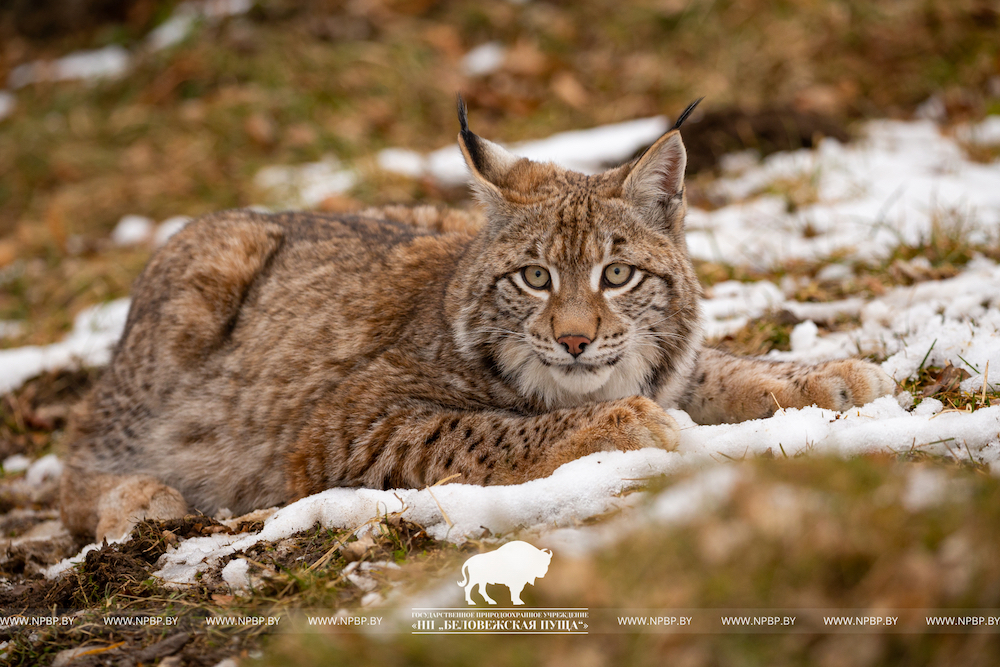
579,288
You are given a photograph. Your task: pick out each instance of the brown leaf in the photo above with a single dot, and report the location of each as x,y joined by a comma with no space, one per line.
525,58
567,88
260,129
947,380
357,550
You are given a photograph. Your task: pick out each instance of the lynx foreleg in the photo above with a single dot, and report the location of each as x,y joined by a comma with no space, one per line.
726,388
417,447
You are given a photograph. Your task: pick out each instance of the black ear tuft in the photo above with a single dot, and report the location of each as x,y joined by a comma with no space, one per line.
463,113
685,114
471,141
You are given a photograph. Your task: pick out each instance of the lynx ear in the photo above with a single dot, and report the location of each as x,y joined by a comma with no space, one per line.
488,162
658,176
655,184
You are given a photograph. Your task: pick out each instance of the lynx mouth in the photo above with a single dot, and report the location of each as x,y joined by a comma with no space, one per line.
577,366
581,378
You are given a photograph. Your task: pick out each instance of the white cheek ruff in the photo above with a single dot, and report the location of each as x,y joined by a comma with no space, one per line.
559,387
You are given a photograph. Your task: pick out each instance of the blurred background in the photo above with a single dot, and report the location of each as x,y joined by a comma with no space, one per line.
120,119
158,109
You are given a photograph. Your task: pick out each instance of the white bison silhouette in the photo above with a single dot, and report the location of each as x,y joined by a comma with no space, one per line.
515,565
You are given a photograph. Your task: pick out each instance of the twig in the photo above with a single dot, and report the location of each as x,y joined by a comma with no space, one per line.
447,519
986,374
780,409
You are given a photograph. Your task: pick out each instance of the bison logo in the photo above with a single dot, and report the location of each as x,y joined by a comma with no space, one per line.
515,565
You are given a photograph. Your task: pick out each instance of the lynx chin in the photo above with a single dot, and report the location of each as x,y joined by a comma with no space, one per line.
269,357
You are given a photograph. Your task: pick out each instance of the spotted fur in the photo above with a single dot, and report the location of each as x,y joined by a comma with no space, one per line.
267,357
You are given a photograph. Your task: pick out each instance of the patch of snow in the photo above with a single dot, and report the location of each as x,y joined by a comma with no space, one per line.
587,151
66,563
223,8
678,505
804,336
402,161
184,18
956,320
132,230
46,468
11,328
986,132
928,407
95,331
686,501
484,59
174,30
168,228
593,485
578,490
892,186
7,104
16,463
733,304
928,487
835,273
235,574
305,185
110,62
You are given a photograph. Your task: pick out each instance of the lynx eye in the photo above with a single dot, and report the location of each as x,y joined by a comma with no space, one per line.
536,276
617,275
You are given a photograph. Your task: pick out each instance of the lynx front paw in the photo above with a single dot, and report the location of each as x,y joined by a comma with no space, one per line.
631,423
136,498
843,384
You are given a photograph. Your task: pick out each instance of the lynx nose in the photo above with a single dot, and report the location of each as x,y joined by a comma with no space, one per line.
574,344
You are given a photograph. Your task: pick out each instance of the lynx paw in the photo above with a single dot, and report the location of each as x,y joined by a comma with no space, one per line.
841,385
634,423
134,499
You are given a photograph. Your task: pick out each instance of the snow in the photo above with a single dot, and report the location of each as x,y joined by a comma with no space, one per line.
587,151
16,463
95,331
402,161
168,228
986,132
956,320
681,504
174,30
578,490
110,62
235,573
484,59
184,18
132,230
49,467
7,104
10,328
891,187
305,185
928,487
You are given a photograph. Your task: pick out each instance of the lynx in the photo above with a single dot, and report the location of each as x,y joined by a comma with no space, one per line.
269,357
